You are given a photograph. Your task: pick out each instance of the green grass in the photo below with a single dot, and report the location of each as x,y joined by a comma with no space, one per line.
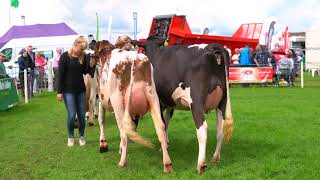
276,137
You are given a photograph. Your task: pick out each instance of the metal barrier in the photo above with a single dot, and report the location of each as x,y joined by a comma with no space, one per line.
30,82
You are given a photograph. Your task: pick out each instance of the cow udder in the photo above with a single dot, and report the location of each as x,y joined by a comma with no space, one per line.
139,102
213,99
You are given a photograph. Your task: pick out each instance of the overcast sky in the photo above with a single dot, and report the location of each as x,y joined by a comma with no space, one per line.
222,17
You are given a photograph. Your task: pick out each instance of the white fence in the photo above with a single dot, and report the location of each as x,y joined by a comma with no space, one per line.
313,68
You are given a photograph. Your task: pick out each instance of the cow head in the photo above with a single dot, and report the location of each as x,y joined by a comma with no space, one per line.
218,58
102,52
221,54
149,46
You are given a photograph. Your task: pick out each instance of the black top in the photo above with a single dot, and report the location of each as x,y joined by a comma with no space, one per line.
25,63
70,78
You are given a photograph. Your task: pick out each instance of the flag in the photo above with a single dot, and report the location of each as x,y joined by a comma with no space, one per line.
285,36
97,30
14,3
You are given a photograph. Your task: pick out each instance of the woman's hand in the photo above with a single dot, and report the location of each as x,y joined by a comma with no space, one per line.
59,97
92,62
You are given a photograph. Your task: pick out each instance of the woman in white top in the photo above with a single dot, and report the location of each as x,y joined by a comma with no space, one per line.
235,57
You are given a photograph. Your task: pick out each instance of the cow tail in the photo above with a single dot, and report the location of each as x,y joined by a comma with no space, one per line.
228,122
128,123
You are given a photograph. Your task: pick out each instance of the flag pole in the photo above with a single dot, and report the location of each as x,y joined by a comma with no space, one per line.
97,28
109,28
9,13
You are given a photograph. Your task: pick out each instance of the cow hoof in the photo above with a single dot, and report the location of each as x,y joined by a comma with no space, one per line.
91,124
122,165
103,149
201,168
167,169
215,159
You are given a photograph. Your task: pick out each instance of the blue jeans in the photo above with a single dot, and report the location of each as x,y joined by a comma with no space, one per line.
75,104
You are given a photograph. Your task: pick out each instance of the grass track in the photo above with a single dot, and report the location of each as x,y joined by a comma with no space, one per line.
276,137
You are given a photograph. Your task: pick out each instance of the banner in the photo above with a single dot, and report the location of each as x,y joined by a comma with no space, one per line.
250,74
274,35
8,94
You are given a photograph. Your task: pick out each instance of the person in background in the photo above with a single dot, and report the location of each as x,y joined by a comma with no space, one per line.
25,63
31,56
244,57
296,62
124,43
206,31
91,48
90,38
262,57
252,54
3,73
235,57
73,64
40,71
92,44
300,55
55,66
272,60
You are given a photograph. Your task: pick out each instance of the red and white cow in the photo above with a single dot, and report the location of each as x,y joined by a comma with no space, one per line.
92,91
127,86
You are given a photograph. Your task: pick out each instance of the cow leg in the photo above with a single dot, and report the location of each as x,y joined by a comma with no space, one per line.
119,111
123,150
91,111
160,129
96,108
101,119
136,121
167,117
201,125
88,92
216,156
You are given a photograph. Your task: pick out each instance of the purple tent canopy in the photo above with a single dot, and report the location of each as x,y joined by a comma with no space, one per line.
36,30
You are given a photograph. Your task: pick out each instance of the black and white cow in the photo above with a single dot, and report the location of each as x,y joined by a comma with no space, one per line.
194,78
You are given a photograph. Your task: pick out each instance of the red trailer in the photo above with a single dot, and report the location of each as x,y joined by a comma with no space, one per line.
175,29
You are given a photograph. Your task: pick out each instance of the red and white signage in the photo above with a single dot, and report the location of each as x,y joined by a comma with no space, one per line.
250,74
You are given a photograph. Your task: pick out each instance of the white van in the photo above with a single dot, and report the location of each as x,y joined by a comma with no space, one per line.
46,45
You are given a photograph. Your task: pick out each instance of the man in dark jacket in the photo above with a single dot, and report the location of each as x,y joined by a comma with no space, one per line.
31,59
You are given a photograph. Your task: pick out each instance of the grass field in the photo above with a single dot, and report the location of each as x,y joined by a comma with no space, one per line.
276,137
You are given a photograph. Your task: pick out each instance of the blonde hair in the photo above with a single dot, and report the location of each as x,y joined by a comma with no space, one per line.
122,40
79,41
37,54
